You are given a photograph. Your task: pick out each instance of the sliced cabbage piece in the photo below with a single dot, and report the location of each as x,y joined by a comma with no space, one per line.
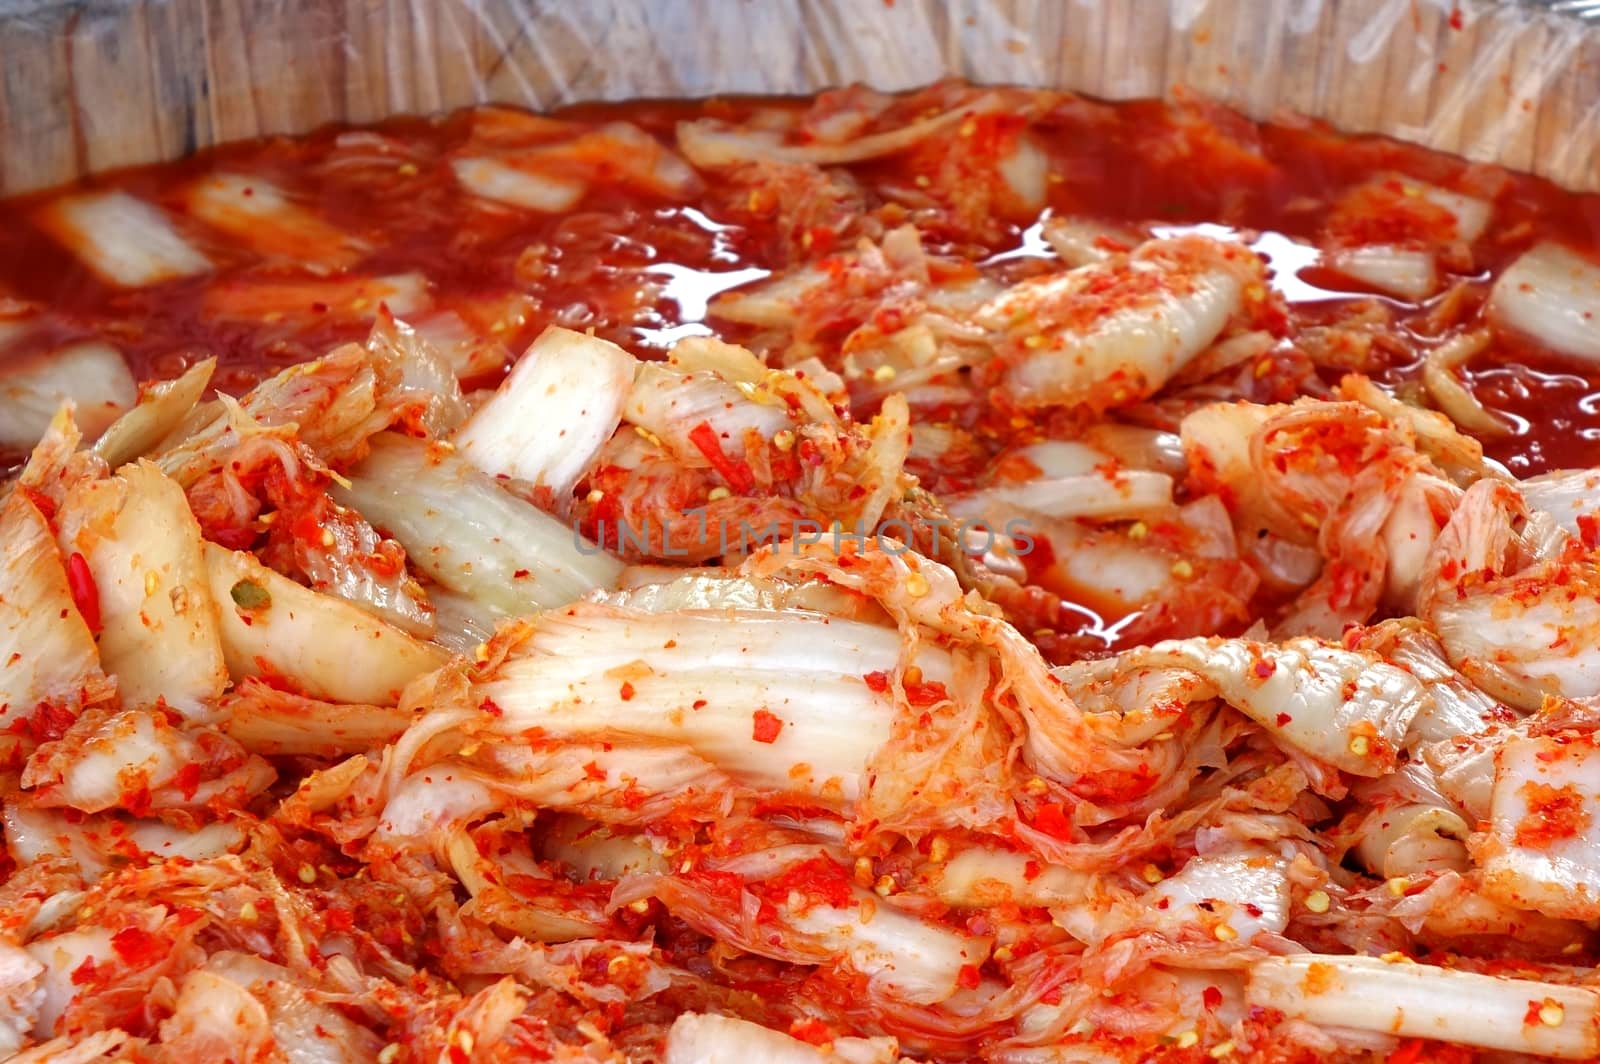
1075,480
779,700
1346,707
252,209
1410,273
161,409
124,240
467,533
1114,332
1247,890
981,876
504,183
1564,494
671,404
306,301
90,375
20,997
1423,1001
47,648
161,633
327,647
98,843
61,955
1551,294
1543,843
560,404
706,1038
713,144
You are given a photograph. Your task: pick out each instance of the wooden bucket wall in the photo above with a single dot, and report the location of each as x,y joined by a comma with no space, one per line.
89,85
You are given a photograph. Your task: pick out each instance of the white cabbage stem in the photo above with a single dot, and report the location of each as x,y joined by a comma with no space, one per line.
712,144
1564,494
504,183
350,299
1247,890
1345,707
978,877
327,647
1551,294
48,649
1421,1001
1067,343
665,589
161,409
91,376
706,1038
1410,273
124,240
161,635
1413,839
1082,241
469,534
1543,842
1113,495
670,404
261,215
778,700
554,412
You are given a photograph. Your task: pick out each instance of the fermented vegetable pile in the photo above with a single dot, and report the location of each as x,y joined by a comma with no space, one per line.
859,579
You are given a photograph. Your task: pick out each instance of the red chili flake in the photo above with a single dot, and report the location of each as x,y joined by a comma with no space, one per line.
968,976
1032,871
925,693
1265,667
136,797
594,771
1531,1017
138,947
1051,996
1589,530
458,1055
307,527
1051,819
340,919
626,693
767,727
1283,719
384,564
737,475
1554,813
520,574
1456,19
1212,997
187,780
698,703
85,595
50,722
44,503
818,880
877,681
1410,1052
83,973
489,707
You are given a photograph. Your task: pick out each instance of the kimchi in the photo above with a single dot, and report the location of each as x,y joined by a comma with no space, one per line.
977,574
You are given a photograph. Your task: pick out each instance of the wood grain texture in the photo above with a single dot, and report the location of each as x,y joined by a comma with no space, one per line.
88,85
